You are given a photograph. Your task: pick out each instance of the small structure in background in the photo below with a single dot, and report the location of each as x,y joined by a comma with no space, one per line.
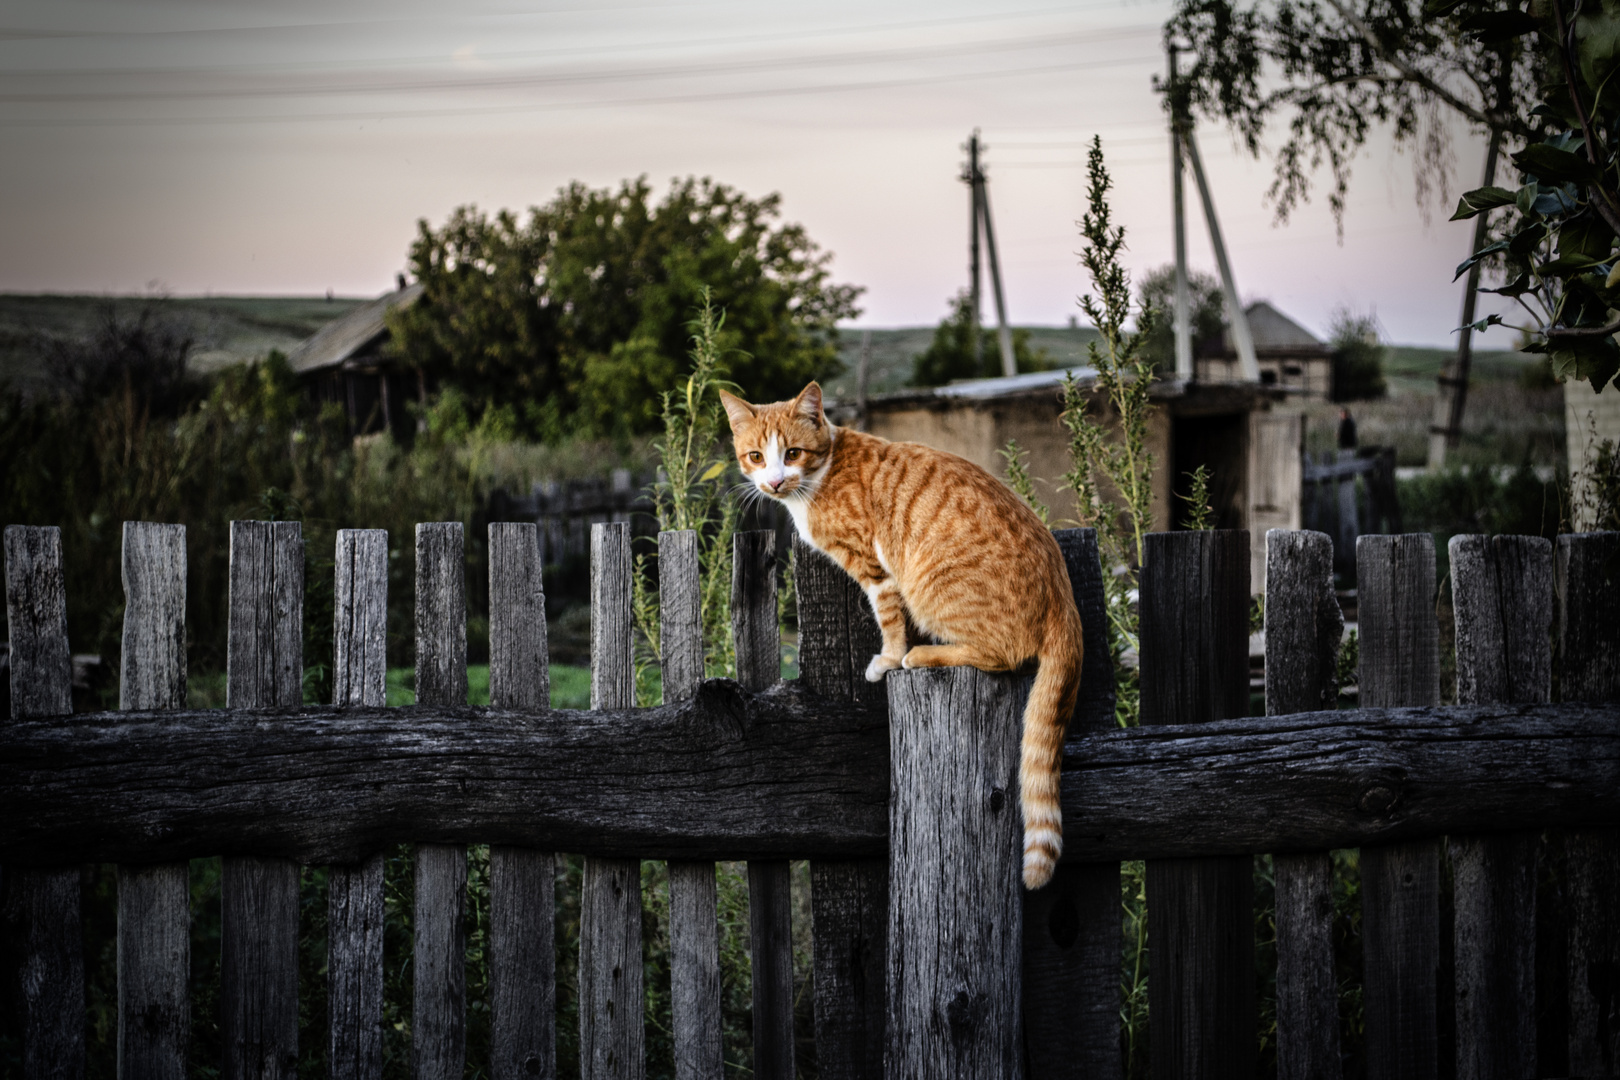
1290,357
344,362
1590,420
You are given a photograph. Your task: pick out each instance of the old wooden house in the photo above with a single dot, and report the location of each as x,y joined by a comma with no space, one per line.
1291,358
346,362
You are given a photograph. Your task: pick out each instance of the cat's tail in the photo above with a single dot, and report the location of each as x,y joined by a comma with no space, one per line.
1046,722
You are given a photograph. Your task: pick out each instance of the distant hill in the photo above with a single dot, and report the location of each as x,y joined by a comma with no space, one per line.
893,350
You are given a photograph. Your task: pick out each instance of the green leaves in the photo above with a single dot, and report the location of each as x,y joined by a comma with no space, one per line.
1482,199
1547,162
1495,27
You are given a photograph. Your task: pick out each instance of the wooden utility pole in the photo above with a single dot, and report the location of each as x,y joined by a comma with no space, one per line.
981,219
1240,321
1183,313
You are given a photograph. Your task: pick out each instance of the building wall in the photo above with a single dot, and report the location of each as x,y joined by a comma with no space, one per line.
1310,376
1589,419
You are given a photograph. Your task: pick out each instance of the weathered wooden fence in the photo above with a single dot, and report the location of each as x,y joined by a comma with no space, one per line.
1333,502
929,960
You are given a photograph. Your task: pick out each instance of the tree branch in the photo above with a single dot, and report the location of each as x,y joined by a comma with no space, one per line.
1584,331
1413,73
1603,201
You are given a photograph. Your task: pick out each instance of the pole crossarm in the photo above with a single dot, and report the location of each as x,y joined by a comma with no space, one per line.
780,773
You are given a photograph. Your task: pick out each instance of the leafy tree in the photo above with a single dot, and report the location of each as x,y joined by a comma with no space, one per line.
1358,357
951,355
1158,291
577,314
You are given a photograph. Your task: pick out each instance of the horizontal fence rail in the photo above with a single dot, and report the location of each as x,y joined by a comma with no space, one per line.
901,820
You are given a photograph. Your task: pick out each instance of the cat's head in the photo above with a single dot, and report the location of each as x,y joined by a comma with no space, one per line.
782,445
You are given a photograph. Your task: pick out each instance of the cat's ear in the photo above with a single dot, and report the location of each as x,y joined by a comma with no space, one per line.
737,409
808,404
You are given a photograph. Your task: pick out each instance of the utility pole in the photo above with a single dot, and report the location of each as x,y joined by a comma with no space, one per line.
1183,314
972,179
981,218
1240,321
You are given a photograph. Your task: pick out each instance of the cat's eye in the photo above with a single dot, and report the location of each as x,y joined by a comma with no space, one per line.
755,456
794,454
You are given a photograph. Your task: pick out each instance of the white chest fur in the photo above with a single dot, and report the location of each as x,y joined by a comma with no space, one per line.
799,510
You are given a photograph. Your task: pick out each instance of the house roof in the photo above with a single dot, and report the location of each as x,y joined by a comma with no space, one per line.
340,339
1274,332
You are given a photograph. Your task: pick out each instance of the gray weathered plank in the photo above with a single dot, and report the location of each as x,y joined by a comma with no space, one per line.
1071,928
1588,575
955,889
41,914
1502,593
1194,630
154,900
360,618
788,775
758,639
848,899
610,979
522,881
259,902
694,928
36,614
1303,628
439,1012
1400,884
354,891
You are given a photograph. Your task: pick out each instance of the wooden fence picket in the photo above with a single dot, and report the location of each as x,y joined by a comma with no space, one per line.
154,899
1072,927
354,891
610,975
1588,584
439,982
1303,628
1502,592
522,881
848,897
264,668
1400,883
1194,630
42,903
694,928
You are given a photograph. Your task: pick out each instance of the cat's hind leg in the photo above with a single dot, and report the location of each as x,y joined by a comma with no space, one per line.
922,656
891,619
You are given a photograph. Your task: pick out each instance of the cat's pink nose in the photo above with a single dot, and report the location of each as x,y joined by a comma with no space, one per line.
776,485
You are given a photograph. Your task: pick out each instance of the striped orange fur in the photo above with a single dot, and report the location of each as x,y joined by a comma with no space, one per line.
933,537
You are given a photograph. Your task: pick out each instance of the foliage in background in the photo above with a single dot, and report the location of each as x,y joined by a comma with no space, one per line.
1199,510
1157,291
1597,488
1021,482
1358,357
950,355
576,316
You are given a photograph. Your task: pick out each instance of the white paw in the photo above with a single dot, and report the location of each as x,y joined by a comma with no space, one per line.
880,666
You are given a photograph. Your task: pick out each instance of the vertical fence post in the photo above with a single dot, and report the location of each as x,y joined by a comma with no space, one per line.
522,881
1195,604
848,898
1588,575
1303,629
610,990
354,897
1400,883
439,999
956,901
43,904
1072,926
154,902
1502,592
758,638
259,902
694,929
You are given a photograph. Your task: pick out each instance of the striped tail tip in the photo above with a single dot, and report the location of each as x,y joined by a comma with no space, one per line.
1042,848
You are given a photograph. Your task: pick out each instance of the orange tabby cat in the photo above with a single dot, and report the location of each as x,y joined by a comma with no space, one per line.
932,535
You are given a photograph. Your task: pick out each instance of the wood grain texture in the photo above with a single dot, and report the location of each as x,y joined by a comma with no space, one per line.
439,979
439,1009
848,899
790,775
610,976
36,615
1071,929
758,639
1194,632
42,905
1400,884
1303,628
354,891
360,618
154,901
1588,577
694,928
259,905
354,981
955,891
522,881
1502,593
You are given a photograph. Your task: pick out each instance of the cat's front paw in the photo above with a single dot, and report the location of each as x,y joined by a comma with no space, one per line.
880,666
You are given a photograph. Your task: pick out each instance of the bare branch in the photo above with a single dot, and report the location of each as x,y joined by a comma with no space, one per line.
1413,74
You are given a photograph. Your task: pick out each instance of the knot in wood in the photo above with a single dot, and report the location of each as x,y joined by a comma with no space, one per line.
1379,797
966,1014
998,799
